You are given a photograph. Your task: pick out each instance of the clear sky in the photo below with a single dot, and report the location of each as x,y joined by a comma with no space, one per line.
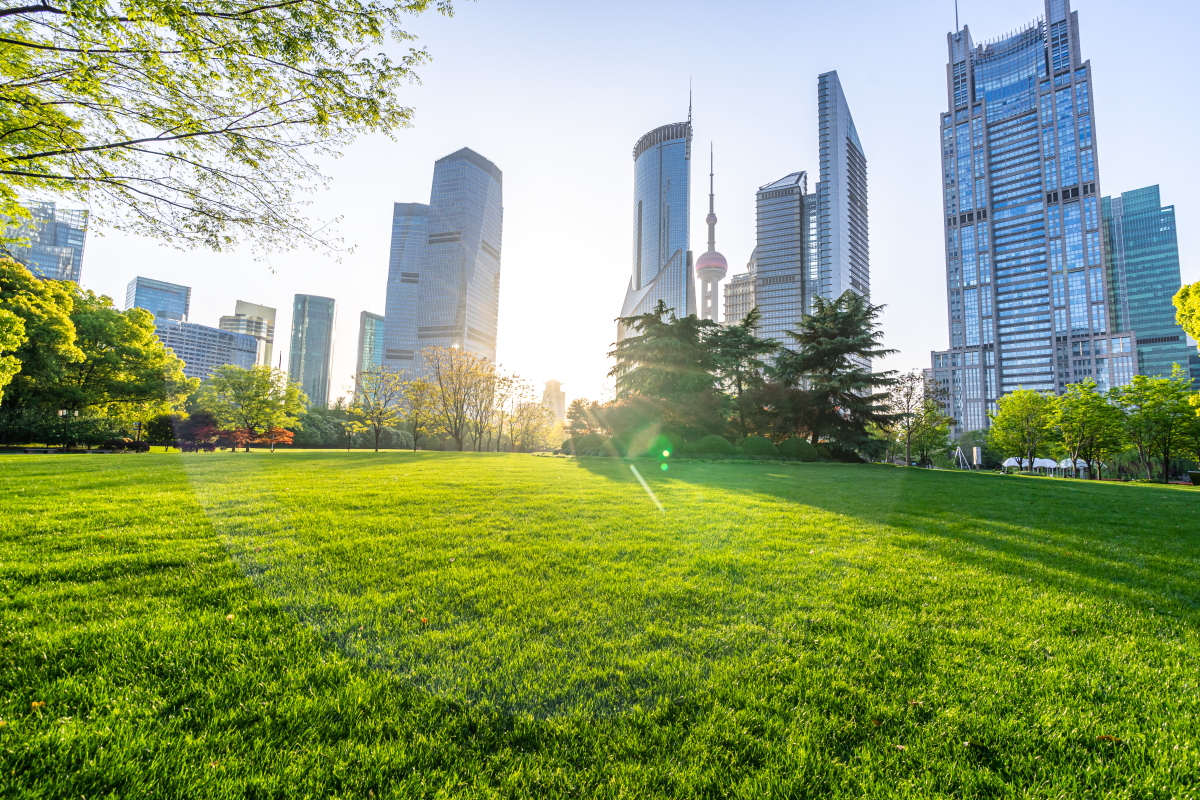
556,93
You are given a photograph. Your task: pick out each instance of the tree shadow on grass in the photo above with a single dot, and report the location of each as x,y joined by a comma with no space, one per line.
1138,544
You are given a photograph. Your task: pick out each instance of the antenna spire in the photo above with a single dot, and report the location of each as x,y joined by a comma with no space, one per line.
712,215
690,97
957,27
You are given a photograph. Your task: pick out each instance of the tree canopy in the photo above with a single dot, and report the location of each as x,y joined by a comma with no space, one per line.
197,122
252,400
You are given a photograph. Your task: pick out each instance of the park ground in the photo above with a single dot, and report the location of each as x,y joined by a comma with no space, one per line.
446,625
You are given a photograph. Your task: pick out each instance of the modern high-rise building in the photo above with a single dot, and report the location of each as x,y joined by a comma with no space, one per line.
1027,299
555,399
1142,260
843,243
203,349
257,321
809,244
370,343
53,241
163,300
312,346
662,260
444,272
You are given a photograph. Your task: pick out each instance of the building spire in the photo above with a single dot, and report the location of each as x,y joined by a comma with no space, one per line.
712,215
690,99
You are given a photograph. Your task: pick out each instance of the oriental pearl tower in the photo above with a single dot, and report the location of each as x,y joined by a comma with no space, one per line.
710,267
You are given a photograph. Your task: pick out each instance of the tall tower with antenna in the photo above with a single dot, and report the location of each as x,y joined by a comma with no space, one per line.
711,267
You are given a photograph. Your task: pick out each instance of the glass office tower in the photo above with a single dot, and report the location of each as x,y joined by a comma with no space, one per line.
54,238
163,300
202,349
784,266
444,272
370,343
253,320
312,346
1027,299
662,260
1142,260
843,243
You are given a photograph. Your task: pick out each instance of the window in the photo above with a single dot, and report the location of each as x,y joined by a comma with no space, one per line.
1078,301
1074,236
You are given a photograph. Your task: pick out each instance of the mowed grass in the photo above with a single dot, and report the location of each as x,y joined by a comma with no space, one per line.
442,625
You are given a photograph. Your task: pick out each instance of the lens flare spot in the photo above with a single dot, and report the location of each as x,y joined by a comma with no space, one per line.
665,467
666,453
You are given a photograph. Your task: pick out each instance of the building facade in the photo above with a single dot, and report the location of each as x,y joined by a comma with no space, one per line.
784,264
444,271
555,399
1027,296
662,258
312,346
844,260
163,300
257,321
54,239
739,294
1142,261
203,349
370,343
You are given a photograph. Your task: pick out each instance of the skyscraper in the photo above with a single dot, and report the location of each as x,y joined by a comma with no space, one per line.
555,399
370,343
1027,300
809,244
202,349
163,300
444,272
843,243
257,321
312,346
1142,260
662,260
54,239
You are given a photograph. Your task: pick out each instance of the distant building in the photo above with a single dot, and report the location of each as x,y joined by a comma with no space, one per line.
843,242
370,344
311,356
1142,261
785,267
203,349
739,293
257,321
444,273
662,260
163,300
711,266
54,241
555,399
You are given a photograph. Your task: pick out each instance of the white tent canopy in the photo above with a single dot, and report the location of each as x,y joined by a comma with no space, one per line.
1079,464
1047,463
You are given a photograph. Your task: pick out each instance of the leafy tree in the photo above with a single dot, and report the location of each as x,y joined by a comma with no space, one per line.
834,345
418,411
583,417
931,433
48,338
12,336
530,426
907,404
274,436
377,396
1187,309
1022,425
195,122
454,374
1084,422
252,400
125,369
1157,416
668,358
739,358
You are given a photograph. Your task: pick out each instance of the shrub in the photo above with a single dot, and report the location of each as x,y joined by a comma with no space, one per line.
687,449
758,446
670,442
845,455
713,445
595,444
139,447
116,444
800,449
823,453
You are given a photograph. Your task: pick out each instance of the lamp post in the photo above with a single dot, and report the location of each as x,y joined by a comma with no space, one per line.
137,431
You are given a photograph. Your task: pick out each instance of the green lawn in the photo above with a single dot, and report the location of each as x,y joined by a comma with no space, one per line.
324,624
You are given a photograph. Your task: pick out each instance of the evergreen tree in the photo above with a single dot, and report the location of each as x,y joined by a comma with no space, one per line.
834,344
668,358
738,358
